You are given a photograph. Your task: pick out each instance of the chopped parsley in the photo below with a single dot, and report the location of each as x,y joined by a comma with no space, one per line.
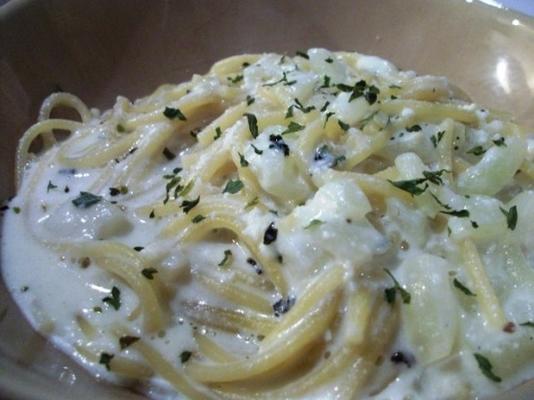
457,213
148,273
235,79
250,100
198,218
301,107
327,117
530,324
477,151
105,359
270,234
325,106
499,142
188,205
185,356
391,292
283,305
292,128
173,113
282,80
115,299
360,88
511,217
252,124
242,160
16,210
289,112
435,139
413,128
342,124
115,191
323,153
256,150
411,186
278,143
127,341
218,133
326,82
486,368
152,214
233,187
86,200
302,54
329,60
227,258
169,155
138,248
50,186
314,222
459,285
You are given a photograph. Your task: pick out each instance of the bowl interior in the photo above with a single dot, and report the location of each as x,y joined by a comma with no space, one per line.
100,49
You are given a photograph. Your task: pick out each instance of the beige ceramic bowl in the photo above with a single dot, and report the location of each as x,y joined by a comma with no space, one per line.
101,48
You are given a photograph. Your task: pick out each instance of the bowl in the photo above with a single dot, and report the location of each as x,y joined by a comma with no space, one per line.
100,49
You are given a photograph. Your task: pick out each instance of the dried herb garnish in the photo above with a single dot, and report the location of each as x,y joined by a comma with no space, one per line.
188,205
148,273
283,305
233,187
390,292
278,143
511,217
270,234
86,200
105,359
127,341
486,368
459,285
173,113
227,258
252,124
115,299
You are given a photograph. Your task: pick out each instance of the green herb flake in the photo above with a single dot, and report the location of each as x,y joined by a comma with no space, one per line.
256,150
185,356
173,113
325,106
499,142
411,186
301,107
16,210
435,139
242,160
50,186
406,297
457,213
233,186
292,128
314,222
97,309
326,82
105,359
127,341
235,79
250,100
329,60
477,151
530,324
327,117
115,191
434,176
148,273
486,368
198,218
289,112
120,128
413,128
459,285
86,200
115,299
169,155
218,133
252,124
188,205
227,258
343,125
511,217
138,248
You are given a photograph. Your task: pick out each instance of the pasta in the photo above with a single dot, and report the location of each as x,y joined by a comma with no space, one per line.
316,226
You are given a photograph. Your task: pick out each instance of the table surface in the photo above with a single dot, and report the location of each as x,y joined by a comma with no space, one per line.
522,6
